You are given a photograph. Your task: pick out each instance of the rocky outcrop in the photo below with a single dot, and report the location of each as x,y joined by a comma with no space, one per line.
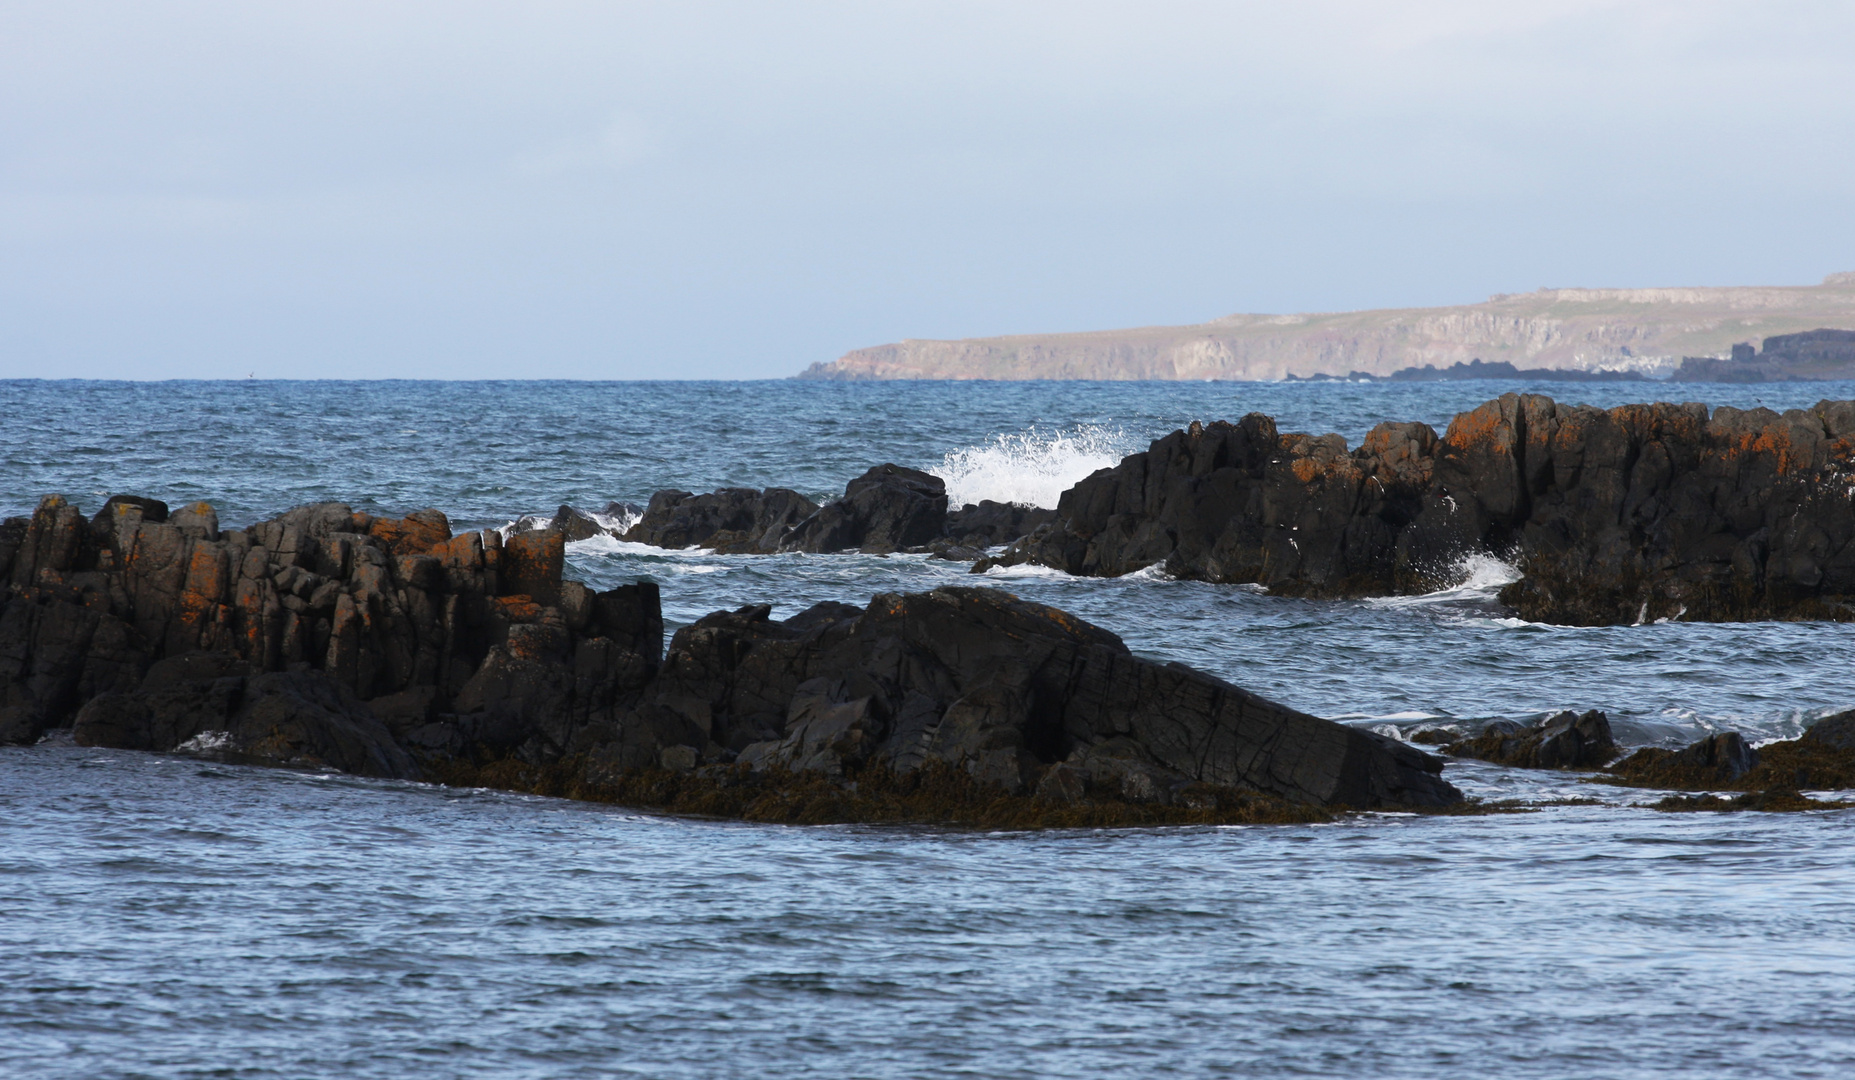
277,641
1725,761
1013,693
389,647
987,523
1813,356
731,521
1612,516
890,508
1564,740
215,702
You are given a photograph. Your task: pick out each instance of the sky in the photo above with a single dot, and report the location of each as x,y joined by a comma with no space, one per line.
737,190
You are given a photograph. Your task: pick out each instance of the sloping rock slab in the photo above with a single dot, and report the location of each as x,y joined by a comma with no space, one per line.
1005,689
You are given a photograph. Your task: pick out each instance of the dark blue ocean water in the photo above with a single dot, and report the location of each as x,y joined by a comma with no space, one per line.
163,917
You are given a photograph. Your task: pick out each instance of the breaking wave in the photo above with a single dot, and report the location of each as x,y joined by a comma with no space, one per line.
1030,468
1478,577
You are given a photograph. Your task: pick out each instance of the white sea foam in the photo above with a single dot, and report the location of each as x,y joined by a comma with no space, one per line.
207,742
620,523
1031,468
1026,570
1478,577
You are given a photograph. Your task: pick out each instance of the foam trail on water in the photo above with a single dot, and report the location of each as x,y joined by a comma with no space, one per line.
1031,468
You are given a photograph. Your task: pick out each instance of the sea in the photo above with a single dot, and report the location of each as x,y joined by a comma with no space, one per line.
168,917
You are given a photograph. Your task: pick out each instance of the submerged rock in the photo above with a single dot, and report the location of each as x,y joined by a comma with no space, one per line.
1612,516
388,647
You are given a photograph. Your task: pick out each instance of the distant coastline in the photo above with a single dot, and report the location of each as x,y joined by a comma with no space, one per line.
1571,334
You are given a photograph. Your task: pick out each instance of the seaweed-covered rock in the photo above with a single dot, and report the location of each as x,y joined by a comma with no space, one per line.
1719,760
1564,740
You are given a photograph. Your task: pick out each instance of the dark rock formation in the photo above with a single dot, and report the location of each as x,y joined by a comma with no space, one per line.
1003,689
1476,369
987,523
1833,732
214,703
1565,740
1824,758
299,620
1613,516
385,647
889,508
1715,761
1812,356
732,520
576,525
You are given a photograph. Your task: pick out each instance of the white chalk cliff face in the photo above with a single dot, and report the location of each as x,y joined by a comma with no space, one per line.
1647,330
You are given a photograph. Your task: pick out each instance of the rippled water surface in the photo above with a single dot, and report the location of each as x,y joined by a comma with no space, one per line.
161,917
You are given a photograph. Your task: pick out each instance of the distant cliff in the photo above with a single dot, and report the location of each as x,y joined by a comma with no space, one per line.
1645,330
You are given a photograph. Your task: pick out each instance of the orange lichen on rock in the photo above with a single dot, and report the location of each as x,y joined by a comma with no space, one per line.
532,563
1488,427
520,608
418,533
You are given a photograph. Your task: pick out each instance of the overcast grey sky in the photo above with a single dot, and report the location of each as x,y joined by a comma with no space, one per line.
690,189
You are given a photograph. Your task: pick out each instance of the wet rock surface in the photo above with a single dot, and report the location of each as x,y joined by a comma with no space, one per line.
389,647
1623,515
889,508
732,520
1822,759
1564,740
